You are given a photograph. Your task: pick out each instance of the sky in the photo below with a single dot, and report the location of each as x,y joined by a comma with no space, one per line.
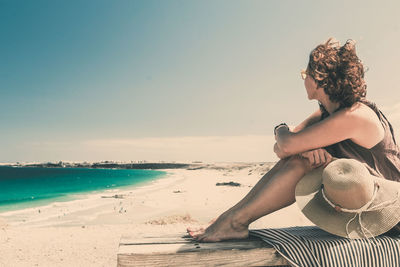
174,80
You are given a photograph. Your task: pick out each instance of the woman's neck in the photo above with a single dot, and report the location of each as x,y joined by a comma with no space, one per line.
329,105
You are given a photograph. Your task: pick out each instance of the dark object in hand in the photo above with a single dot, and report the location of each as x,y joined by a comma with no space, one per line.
279,125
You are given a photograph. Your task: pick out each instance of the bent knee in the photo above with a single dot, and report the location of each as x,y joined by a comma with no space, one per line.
299,163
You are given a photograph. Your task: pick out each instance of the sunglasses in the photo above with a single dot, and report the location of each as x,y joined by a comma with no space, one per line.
303,74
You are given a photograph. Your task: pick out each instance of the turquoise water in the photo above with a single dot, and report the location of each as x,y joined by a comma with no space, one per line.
30,187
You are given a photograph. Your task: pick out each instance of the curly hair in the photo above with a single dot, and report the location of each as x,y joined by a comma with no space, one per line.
339,71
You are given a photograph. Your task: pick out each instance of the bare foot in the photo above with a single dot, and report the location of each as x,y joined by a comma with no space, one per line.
224,228
201,229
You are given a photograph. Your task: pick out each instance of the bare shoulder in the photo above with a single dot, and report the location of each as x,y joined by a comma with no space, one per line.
369,129
362,112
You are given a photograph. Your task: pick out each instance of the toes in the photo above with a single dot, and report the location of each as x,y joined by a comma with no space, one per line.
199,231
195,234
194,230
192,234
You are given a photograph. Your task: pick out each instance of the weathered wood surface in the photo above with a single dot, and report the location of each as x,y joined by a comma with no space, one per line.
184,251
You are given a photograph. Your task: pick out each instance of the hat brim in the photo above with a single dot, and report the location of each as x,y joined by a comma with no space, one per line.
317,210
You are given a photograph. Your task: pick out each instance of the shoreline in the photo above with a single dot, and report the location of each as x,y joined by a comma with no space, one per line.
80,194
106,165
89,232
86,201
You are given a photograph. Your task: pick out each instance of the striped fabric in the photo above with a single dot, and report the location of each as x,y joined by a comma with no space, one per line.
310,246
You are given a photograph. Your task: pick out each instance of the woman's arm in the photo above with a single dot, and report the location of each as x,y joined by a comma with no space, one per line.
312,119
356,123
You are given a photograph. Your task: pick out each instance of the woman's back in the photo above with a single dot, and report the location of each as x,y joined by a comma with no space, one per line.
381,160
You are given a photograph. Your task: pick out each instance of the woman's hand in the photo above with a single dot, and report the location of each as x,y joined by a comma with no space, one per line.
281,129
317,157
279,153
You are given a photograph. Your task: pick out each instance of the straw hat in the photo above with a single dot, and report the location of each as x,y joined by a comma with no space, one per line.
346,200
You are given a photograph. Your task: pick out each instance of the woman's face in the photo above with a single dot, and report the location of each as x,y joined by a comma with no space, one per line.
311,87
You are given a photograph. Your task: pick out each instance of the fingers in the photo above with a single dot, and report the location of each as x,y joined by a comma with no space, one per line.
328,158
324,158
308,155
317,157
320,158
313,158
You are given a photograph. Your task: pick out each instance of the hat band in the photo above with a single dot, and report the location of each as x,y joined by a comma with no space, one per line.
366,207
359,210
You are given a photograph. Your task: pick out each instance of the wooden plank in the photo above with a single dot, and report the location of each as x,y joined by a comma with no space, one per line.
183,251
167,239
189,247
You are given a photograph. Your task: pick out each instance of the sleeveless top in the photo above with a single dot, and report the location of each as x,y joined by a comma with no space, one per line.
382,160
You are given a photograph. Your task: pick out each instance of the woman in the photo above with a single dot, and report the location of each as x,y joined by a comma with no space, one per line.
345,126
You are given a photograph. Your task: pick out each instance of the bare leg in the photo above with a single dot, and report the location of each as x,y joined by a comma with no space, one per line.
260,184
274,191
253,192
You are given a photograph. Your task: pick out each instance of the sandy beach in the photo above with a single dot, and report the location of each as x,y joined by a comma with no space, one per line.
86,232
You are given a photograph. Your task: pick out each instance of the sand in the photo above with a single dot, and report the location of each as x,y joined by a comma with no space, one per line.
86,232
